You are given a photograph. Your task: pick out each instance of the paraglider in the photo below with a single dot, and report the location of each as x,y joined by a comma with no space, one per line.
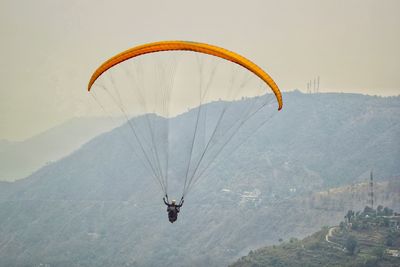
189,46
172,208
154,85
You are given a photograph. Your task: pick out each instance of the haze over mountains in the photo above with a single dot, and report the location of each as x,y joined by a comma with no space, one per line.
99,207
20,159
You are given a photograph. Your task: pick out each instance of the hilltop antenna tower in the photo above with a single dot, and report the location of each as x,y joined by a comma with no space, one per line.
371,190
313,85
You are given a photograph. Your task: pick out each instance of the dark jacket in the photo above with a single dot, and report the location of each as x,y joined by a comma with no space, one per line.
173,210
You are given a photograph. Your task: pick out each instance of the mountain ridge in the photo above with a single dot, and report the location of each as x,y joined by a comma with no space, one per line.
99,201
19,159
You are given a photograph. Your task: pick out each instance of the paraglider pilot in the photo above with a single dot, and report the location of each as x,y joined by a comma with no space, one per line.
172,209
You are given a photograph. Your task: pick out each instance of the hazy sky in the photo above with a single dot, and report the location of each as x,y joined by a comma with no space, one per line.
50,47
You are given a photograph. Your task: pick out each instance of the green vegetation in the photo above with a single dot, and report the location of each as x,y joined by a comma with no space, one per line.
361,240
351,244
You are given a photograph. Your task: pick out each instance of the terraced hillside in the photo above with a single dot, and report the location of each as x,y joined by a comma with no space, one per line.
368,238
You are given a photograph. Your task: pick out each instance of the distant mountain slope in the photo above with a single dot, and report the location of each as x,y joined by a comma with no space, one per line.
339,136
99,207
87,225
4,142
19,159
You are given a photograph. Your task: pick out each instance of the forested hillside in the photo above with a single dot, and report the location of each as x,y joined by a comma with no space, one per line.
302,170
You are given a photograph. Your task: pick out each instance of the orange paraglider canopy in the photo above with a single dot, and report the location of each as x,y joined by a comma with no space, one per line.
188,46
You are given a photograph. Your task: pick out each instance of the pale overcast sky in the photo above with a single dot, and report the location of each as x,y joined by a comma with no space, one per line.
50,47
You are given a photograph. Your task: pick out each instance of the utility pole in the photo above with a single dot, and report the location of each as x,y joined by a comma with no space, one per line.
313,85
371,190
315,88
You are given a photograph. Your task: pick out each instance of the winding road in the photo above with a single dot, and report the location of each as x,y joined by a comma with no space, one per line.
329,234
